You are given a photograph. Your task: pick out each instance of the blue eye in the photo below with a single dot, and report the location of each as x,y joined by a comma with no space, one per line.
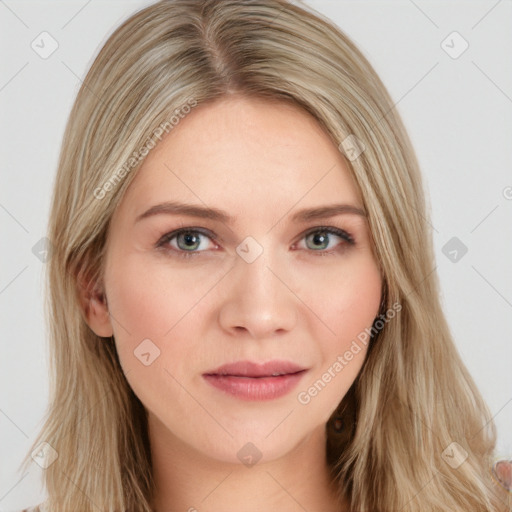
187,242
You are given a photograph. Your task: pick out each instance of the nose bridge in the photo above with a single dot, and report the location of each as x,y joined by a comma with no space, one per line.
258,300
254,267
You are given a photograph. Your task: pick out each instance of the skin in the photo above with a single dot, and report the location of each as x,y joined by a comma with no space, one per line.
261,162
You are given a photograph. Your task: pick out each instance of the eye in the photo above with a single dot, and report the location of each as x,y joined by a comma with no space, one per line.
186,242
320,239
190,241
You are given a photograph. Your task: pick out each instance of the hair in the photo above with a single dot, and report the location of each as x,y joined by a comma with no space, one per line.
413,397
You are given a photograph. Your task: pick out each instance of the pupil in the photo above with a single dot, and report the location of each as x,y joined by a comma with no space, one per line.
319,239
190,239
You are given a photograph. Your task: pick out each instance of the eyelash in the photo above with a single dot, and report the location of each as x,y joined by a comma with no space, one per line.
344,235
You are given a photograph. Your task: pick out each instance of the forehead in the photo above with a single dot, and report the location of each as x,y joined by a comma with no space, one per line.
246,154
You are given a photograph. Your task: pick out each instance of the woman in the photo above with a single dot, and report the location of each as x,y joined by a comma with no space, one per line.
243,312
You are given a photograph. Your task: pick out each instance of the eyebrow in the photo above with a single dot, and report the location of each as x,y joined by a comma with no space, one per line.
191,210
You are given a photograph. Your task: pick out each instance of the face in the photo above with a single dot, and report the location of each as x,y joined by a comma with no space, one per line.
268,282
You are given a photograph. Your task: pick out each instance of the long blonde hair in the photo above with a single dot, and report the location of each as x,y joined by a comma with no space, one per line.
413,398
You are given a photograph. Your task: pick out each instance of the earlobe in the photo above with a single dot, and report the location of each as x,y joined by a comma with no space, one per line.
94,307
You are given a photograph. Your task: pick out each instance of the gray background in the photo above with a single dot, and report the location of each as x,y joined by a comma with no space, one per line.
459,115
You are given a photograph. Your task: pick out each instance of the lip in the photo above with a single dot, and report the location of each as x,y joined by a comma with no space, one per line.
248,380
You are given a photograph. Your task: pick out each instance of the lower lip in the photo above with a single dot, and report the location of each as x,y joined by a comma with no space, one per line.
255,388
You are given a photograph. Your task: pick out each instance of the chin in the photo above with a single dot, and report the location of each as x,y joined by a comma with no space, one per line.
255,444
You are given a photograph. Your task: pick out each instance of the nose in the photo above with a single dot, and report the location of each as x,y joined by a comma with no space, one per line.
258,301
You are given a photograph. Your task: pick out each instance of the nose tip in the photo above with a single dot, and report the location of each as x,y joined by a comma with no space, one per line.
256,301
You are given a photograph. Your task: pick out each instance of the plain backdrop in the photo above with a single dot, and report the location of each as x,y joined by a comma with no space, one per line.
457,107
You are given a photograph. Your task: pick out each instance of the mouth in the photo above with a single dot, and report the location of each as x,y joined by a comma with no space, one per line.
251,381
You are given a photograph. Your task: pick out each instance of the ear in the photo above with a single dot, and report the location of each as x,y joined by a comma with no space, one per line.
94,306
502,470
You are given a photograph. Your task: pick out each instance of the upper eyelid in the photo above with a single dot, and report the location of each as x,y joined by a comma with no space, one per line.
174,233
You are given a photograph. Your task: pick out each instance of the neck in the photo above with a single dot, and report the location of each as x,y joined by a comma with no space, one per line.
187,480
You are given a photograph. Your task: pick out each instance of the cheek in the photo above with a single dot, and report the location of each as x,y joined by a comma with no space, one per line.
149,300
151,310
348,300
348,309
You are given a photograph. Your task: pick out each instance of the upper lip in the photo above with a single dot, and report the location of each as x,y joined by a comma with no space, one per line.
255,369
